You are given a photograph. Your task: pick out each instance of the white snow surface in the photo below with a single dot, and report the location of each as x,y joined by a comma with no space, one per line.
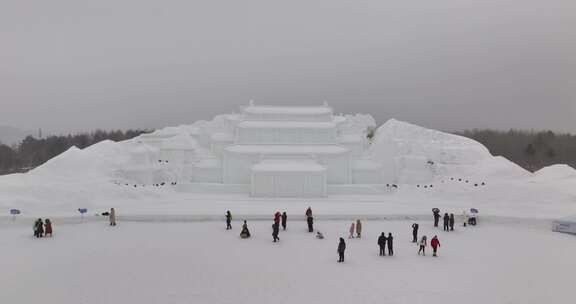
200,262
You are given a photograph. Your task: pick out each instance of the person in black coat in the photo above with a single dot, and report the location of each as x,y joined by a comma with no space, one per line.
38,228
452,221
436,216
341,248
382,244
446,222
275,231
310,221
245,233
390,245
284,219
414,233
228,220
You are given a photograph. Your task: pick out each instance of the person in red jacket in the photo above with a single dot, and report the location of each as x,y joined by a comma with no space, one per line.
277,216
435,243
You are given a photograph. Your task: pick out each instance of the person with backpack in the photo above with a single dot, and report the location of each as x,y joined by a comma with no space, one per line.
382,244
47,228
284,220
340,250
414,233
390,244
436,214
423,245
358,229
228,220
446,222
435,243
452,221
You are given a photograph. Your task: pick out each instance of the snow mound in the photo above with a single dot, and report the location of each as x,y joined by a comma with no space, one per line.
404,139
416,154
75,163
556,172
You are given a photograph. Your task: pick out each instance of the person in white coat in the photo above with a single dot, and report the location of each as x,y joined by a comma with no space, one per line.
464,218
112,217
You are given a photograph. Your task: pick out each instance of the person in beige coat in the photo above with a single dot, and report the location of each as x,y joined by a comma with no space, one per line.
358,229
352,230
112,217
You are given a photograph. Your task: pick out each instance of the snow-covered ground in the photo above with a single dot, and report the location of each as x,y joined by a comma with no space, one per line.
200,262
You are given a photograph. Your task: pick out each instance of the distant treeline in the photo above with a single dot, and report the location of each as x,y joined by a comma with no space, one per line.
530,149
32,152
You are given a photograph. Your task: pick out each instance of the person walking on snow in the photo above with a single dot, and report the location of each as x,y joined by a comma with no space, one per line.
435,243
228,220
341,249
358,229
382,244
352,230
446,222
284,219
464,218
310,221
277,216
390,244
112,217
436,213
452,221
414,233
47,228
275,231
423,245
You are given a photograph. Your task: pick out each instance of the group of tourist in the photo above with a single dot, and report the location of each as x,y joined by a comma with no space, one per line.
434,243
355,228
154,185
468,181
42,228
385,242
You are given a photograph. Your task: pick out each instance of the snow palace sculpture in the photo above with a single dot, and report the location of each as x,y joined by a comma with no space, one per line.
280,151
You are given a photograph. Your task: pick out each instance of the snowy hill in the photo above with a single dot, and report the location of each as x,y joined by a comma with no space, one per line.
418,154
555,172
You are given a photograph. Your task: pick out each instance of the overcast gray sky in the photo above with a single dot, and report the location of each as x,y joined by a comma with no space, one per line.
69,65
